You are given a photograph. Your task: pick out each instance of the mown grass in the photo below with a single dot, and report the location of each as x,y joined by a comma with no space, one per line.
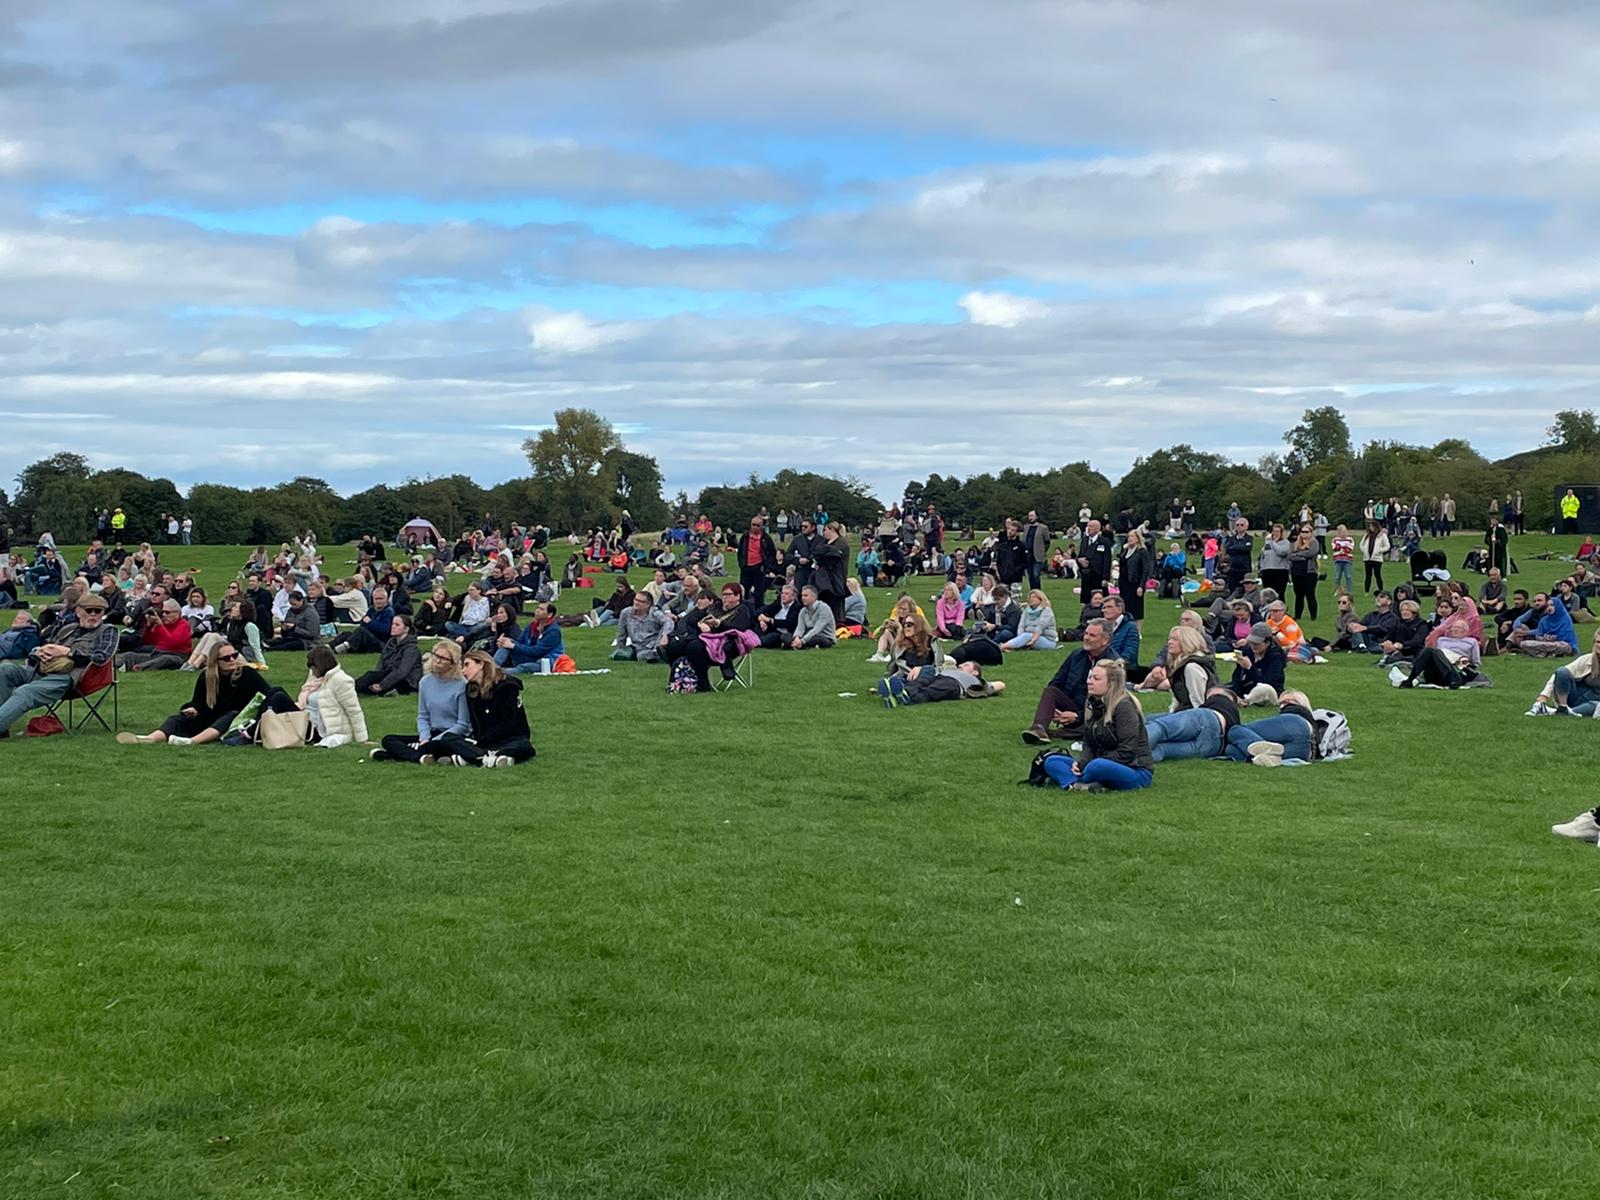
784,943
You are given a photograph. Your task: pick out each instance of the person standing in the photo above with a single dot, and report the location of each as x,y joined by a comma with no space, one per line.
1036,537
1238,548
1521,525
830,570
1094,560
1138,565
188,530
1570,504
1303,572
1498,538
758,561
1374,549
1344,553
1275,560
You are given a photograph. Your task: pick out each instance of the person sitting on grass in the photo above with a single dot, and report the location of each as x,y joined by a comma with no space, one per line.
54,667
949,612
473,624
21,638
1124,636
1036,625
1408,637
814,627
1288,633
330,699
399,668
1116,751
642,630
1545,631
372,631
915,646
776,622
931,685
1451,658
855,607
1186,665
167,641
1271,740
609,611
499,736
442,712
299,629
889,632
536,649
1199,732
1574,690
1258,668
239,631
1064,701
221,692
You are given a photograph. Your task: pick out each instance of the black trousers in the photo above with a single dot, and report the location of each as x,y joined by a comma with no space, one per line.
1305,594
754,582
1436,668
1374,574
1277,579
364,681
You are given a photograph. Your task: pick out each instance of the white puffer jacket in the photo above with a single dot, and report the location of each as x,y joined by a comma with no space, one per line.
340,708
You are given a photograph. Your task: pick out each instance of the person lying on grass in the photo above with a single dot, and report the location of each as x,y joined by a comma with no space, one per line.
1574,690
1271,740
221,692
1116,751
1199,732
930,685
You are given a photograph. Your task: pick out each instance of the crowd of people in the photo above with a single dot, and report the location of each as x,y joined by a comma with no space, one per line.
784,583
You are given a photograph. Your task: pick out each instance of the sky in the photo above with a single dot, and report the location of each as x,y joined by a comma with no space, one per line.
241,242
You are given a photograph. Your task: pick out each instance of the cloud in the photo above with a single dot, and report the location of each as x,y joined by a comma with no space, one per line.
421,224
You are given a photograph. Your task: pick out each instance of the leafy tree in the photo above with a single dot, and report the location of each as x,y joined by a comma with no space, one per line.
637,484
1574,431
569,462
221,513
1322,434
35,478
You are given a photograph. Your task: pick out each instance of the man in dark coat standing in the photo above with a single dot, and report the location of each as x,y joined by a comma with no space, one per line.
758,562
1094,560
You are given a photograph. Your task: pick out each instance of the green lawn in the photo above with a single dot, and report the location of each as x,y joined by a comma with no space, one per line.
786,943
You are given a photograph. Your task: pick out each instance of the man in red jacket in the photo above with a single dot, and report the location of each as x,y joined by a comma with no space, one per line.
168,641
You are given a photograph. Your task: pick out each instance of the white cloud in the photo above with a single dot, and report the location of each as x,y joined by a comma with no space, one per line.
571,333
998,308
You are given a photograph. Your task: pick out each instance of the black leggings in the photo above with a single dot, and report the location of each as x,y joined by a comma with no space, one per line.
1277,579
1305,594
518,749
1374,574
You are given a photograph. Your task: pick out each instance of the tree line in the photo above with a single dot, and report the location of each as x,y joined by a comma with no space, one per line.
582,475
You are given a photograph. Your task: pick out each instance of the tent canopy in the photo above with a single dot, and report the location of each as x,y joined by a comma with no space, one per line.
428,534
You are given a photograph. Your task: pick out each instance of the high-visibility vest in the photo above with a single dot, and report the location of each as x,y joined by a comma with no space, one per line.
1569,507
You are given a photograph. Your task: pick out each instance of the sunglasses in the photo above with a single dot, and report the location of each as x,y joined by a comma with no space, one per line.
222,658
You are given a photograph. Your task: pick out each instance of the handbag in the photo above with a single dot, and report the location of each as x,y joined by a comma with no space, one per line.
280,731
59,665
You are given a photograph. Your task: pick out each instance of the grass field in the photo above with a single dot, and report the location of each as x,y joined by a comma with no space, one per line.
784,943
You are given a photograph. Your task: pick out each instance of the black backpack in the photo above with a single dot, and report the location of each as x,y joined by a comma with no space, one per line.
1037,777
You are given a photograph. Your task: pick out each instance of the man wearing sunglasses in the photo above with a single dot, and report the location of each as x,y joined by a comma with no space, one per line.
51,670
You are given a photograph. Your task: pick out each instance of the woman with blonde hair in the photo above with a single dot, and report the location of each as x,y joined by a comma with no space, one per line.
1137,569
1116,751
442,711
221,693
1191,670
1036,628
949,612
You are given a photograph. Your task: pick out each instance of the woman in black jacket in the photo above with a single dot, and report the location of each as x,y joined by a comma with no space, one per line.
1138,567
499,722
221,692
829,568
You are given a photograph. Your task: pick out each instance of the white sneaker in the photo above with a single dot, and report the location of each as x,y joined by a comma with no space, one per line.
428,760
1265,754
455,760
1582,828
879,658
1539,709
499,760
179,741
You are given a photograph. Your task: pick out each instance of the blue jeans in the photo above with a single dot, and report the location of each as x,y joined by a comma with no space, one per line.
1020,642
1289,731
1103,771
1344,574
21,691
1569,692
186,537
457,629
537,666
15,643
1192,733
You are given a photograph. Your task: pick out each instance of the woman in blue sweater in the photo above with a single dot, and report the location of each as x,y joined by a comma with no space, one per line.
442,711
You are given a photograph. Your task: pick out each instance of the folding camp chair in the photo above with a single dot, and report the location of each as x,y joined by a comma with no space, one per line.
91,692
744,674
